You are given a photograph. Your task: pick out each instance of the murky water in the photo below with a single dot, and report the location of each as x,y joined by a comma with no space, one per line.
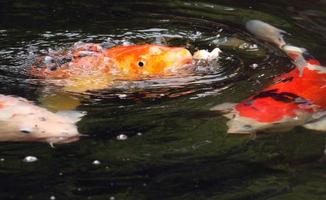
156,139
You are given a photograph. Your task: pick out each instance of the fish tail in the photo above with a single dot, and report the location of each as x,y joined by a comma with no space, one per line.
299,56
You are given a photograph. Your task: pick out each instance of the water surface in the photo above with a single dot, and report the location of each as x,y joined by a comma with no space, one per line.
156,139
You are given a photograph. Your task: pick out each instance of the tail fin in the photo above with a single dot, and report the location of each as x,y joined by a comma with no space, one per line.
296,55
266,32
274,35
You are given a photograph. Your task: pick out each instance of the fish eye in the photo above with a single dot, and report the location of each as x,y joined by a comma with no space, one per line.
247,126
53,68
65,133
25,130
141,64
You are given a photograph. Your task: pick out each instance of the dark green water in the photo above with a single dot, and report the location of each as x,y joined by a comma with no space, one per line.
176,148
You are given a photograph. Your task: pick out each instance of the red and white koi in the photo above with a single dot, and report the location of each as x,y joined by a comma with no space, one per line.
296,98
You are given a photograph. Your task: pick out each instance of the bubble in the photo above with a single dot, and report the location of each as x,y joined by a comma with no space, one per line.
253,66
30,159
122,96
229,9
122,137
96,162
52,198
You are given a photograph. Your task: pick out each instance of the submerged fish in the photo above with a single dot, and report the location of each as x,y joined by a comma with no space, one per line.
296,98
21,120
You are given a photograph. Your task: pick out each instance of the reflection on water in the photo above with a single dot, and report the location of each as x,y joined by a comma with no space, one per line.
173,147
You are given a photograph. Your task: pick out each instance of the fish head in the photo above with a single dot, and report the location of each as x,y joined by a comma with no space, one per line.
148,60
21,120
243,125
130,62
267,111
261,113
46,127
238,124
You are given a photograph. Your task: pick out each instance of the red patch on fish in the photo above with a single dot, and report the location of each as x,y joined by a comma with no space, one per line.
289,94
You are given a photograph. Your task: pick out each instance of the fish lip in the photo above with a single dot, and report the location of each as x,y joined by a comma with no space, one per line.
63,139
239,132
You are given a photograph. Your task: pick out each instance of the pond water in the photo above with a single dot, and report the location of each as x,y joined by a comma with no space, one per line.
157,139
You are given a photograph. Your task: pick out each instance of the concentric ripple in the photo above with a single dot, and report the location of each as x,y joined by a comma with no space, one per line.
242,55
155,138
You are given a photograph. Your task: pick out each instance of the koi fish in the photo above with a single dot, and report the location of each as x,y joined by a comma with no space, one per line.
296,98
128,62
21,120
91,66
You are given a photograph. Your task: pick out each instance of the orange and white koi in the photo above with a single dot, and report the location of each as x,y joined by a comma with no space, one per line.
128,62
91,66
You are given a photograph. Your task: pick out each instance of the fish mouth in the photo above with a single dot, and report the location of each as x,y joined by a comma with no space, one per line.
180,56
179,59
243,126
63,139
239,132
186,57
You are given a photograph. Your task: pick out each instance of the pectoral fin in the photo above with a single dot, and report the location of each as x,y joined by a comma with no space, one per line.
59,101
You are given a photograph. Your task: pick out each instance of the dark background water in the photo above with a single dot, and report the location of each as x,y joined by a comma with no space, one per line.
176,148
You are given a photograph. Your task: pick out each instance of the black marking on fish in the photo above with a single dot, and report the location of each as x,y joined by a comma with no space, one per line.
43,119
284,80
106,45
39,65
286,97
53,67
248,102
64,60
308,56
